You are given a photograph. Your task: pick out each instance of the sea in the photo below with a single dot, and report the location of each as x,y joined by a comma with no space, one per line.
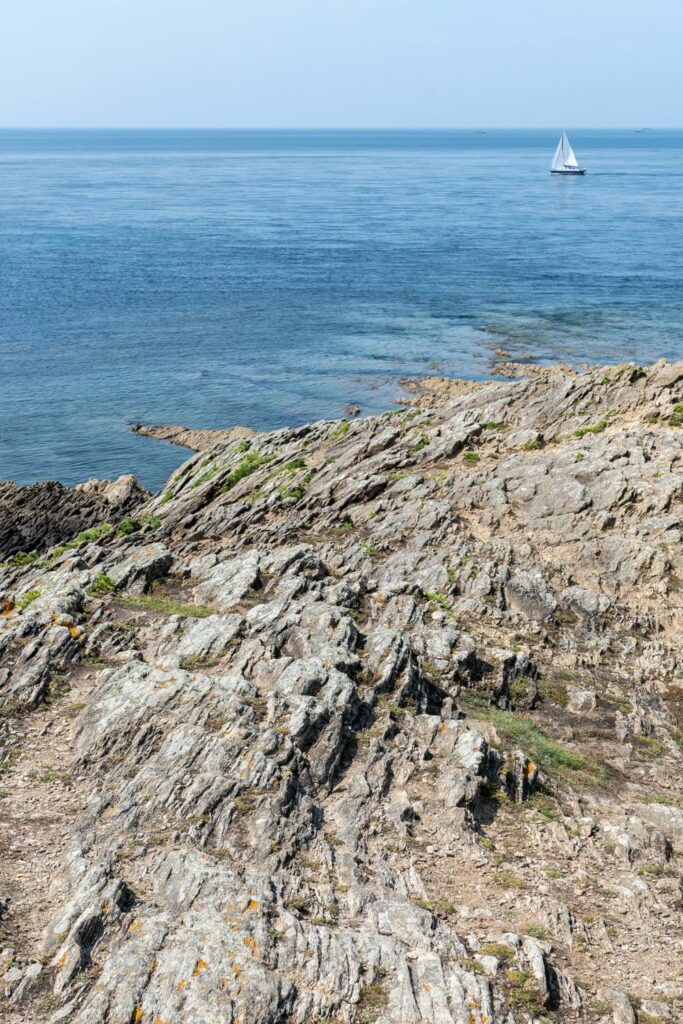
269,278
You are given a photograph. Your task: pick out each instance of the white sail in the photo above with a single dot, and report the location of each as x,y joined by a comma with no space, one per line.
569,156
558,159
565,158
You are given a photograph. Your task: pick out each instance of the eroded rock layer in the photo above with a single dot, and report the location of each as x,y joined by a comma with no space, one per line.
371,721
38,516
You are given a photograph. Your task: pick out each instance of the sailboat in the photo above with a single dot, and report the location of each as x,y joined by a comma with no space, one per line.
564,161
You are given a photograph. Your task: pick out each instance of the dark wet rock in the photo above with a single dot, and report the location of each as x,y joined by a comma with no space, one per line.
38,516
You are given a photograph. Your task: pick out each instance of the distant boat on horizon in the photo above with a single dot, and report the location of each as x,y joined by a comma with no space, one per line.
564,161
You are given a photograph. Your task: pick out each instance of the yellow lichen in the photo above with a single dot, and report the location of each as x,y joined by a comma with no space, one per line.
200,966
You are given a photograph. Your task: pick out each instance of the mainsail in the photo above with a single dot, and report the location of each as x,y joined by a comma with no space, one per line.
564,155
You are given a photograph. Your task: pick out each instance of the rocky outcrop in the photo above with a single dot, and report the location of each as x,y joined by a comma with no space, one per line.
367,722
189,437
38,516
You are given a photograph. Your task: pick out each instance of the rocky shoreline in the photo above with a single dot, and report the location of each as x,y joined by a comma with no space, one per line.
370,721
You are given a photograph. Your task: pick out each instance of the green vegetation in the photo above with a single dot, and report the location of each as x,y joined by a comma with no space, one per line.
294,491
495,425
290,468
127,526
422,442
508,880
676,418
151,520
246,466
535,930
439,599
549,755
533,446
499,950
84,537
521,989
597,428
347,525
368,549
102,585
243,446
166,497
648,748
162,605
48,775
204,477
371,1001
471,456
28,598
649,869
23,558
341,431
579,457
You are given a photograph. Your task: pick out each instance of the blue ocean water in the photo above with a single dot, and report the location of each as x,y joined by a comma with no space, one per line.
213,278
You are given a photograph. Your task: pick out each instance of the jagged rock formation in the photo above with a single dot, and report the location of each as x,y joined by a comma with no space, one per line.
38,516
190,437
367,722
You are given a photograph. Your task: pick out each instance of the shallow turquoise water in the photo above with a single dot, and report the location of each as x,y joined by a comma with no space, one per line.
269,278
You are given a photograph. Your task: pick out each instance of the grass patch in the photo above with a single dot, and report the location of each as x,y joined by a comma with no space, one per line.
597,428
533,446
23,558
471,456
439,599
676,417
508,880
28,598
549,755
341,431
102,585
499,950
127,526
164,606
151,520
649,749
495,425
347,526
84,537
246,466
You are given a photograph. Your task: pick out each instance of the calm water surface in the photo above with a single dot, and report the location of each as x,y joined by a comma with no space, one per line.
270,278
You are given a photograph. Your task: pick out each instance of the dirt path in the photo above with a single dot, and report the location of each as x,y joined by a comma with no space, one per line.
41,799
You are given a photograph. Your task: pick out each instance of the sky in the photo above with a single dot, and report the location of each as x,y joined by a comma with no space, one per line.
341,63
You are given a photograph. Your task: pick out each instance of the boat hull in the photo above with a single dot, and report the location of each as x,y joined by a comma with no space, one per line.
579,170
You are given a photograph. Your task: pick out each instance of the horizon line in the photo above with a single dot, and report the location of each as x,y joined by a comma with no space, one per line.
335,128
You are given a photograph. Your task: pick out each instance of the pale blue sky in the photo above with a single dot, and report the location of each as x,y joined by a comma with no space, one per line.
341,63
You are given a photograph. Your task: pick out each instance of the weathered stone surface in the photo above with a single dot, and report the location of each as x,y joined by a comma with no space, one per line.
370,723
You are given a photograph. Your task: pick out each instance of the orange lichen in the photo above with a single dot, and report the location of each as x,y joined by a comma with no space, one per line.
62,960
426,987
137,1015
200,966
7,608
181,984
252,905
136,926
530,768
